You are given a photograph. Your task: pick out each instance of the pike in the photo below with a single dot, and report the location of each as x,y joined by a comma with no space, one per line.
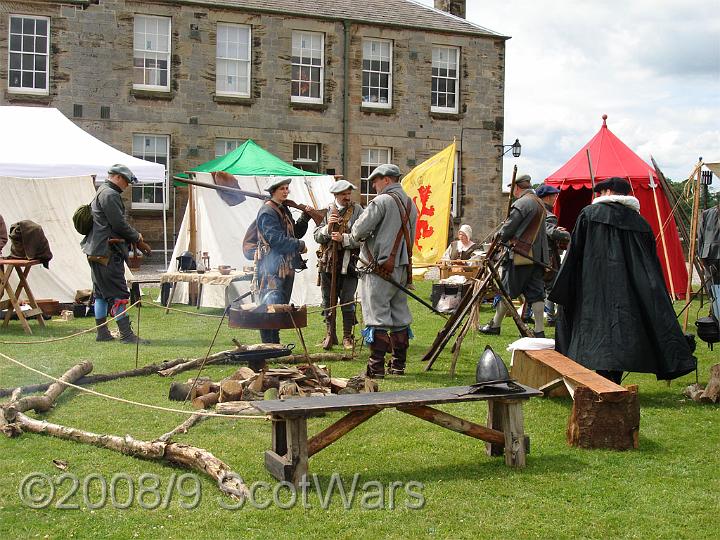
378,272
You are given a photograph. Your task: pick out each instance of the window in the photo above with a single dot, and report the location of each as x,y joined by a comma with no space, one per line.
445,85
233,60
224,146
151,64
28,54
377,73
306,156
307,67
155,148
371,158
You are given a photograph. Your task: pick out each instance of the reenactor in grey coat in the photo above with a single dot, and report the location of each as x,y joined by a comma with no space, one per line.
387,228
107,249
333,234
708,237
524,229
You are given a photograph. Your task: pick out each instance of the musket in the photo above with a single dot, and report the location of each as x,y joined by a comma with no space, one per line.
512,248
316,215
331,338
512,189
383,275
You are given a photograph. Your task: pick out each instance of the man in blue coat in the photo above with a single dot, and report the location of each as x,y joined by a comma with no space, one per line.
279,249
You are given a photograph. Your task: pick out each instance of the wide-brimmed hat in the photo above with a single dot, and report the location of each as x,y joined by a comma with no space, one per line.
123,171
274,183
386,169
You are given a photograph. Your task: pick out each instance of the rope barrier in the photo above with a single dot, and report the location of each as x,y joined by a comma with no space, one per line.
129,401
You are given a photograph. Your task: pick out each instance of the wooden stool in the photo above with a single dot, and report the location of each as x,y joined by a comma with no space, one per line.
22,269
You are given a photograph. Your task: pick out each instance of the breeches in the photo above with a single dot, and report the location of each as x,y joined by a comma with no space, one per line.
344,294
383,304
109,281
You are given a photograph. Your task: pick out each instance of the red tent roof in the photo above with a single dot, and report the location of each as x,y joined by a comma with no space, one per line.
611,157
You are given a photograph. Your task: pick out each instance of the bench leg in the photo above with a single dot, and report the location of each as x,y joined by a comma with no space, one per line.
288,459
495,421
514,429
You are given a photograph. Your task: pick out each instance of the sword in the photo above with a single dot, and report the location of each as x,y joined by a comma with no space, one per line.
374,269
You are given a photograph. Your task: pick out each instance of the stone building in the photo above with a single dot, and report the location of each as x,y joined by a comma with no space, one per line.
335,86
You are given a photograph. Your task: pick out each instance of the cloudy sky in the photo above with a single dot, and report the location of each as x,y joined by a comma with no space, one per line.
653,66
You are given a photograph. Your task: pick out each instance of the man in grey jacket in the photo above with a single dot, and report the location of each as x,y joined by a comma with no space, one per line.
332,235
524,229
708,238
107,249
387,228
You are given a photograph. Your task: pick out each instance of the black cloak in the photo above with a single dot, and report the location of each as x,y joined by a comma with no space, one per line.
616,312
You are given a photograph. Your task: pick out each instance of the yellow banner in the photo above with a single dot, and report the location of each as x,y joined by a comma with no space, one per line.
429,185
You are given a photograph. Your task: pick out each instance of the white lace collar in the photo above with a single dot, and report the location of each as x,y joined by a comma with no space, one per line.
627,200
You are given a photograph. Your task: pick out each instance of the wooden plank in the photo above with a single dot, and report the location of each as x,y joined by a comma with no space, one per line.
333,432
453,423
573,371
515,454
297,452
534,373
279,467
552,385
310,406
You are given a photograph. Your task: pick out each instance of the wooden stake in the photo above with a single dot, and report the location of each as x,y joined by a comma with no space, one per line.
661,224
693,233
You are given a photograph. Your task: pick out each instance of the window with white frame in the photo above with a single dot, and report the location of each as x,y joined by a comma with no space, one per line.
377,73
155,148
151,50
371,158
233,60
306,156
445,79
307,67
29,54
225,146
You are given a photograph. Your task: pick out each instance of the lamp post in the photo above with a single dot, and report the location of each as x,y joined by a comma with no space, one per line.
516,148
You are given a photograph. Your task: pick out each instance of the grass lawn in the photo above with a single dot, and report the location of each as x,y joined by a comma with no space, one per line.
668,488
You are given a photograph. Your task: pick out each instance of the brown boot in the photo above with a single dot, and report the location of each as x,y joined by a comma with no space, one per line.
400,342
330,339
103,332
348,324
378,348
126,333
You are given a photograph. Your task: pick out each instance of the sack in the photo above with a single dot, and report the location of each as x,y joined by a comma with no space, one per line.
518,258
83,219
448,303
250,241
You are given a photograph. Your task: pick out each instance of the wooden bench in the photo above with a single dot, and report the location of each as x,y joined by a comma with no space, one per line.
604,414
291,447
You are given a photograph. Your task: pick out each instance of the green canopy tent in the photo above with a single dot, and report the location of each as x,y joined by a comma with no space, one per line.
248,159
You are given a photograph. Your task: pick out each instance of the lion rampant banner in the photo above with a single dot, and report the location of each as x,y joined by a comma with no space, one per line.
429,185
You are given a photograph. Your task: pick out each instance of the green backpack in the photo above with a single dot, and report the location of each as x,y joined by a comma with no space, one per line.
83,220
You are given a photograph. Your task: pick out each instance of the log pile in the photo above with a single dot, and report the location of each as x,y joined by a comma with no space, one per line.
275,383
709,393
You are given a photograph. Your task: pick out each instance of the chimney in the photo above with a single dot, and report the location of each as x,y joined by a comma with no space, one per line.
454,7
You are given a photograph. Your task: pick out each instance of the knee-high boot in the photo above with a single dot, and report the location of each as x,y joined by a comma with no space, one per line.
348,324
378,349
400,342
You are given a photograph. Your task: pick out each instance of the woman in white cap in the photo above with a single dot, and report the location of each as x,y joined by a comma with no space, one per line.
463,248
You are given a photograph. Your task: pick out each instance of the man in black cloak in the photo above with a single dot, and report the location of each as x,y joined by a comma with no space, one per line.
616,313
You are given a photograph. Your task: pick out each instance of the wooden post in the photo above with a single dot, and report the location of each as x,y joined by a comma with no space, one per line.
514,430
495,421
192,241
661,224
693,233
297,453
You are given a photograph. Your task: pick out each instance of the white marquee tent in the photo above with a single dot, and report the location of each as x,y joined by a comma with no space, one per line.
45,167
221,228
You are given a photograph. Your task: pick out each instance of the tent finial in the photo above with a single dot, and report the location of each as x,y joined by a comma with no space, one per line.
604,117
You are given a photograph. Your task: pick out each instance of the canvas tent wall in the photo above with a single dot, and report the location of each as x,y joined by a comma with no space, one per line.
51,203
44,143
611,157
221,228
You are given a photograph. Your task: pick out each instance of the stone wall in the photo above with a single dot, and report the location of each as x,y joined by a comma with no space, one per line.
91,65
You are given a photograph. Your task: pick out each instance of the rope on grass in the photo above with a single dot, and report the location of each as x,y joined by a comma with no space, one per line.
76,334
129,401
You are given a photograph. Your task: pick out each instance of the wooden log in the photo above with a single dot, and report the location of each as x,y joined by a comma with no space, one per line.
598,423
195,458
206,400
242,374
100,377
453,423
197,362
231,390
236,407
45,402
333,432
179,391
514,431
712,390
182,428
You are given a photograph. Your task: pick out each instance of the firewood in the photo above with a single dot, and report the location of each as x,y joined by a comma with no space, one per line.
182,428
694,391
231,390
45,402
270,393
100,377
179,391
206,401
338,384
251,395
242,374
712,390
236,407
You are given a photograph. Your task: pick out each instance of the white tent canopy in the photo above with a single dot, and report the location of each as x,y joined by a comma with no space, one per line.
39,142
51,203
221,228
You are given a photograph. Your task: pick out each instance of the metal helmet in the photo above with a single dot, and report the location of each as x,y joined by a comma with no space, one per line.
186,262
490,367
